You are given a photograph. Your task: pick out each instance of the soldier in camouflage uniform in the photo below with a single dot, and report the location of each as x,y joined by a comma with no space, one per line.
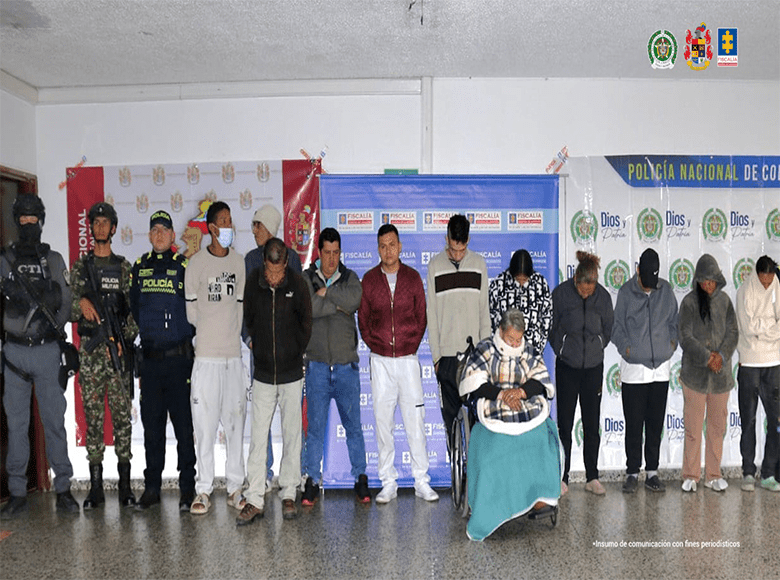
99,378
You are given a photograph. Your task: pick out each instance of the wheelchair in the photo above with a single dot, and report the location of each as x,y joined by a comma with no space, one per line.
459,452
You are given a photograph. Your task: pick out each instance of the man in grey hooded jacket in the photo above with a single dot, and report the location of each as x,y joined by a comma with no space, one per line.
645,335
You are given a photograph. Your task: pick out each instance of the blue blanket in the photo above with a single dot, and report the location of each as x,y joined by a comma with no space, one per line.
508,474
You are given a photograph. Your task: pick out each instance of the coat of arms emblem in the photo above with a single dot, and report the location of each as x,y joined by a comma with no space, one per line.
158,175
263,172
228,173
177,201
142,203
245,199
698,48
193,174
124,177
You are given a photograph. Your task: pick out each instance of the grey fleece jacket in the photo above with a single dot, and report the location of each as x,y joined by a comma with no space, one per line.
334,335
645,328
717,333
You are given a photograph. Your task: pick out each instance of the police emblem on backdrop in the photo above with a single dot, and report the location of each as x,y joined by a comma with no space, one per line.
681,275
714,225
584,227
698,48
616,274
662,49
742,270
649,225
727,47
773,225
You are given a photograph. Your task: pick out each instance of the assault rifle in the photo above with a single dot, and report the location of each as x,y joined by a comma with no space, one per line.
109,330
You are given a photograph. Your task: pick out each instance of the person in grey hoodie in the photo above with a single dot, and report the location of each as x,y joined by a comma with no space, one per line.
645,335
708,337
581,328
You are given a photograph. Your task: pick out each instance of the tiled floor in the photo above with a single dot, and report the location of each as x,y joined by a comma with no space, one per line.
408,538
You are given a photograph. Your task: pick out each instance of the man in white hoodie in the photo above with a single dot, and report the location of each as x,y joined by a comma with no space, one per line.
758,316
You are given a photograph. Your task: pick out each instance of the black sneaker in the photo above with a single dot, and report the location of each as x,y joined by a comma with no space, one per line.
148,499
655,484
311,491
186,499
630,484
361,489
16,506
66,503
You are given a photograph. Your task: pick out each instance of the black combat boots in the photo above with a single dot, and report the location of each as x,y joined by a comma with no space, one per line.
126,497
96,497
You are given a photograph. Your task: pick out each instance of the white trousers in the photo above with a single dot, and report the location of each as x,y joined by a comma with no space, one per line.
396,381
219,389
265,397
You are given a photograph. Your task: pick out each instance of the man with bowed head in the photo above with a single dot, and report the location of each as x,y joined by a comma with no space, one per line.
392,322
333,370
645,335
214,290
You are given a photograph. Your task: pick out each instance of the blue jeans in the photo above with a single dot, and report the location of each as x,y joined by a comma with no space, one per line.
341,383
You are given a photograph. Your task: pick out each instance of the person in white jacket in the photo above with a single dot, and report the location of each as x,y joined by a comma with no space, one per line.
758,316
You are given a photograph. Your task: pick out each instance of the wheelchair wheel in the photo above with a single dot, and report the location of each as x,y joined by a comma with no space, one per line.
459,444
456,463
554,517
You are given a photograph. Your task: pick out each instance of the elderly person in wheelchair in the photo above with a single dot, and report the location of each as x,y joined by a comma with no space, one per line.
514,460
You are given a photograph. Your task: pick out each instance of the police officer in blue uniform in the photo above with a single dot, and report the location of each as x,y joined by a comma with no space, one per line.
31,353
157,302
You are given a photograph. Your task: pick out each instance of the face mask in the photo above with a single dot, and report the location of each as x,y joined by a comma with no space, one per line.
30,233
225,237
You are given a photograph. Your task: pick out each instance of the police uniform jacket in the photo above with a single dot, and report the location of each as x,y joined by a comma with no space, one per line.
157,300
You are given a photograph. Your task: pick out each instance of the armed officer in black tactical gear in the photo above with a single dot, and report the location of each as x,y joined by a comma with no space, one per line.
158,305
31,353
101,305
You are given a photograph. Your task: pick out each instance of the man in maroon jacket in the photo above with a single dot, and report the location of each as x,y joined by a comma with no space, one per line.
392,321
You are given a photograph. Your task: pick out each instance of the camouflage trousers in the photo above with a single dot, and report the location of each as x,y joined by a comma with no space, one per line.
99,381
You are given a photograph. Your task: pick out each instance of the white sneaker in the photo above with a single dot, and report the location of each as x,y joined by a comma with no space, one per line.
236,500
717,484
389,492
689,485
425,491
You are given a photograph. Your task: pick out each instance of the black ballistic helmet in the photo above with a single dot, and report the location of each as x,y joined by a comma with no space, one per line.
104,209
28,204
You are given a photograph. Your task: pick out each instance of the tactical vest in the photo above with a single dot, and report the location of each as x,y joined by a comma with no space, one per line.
108,273
18,303
162,310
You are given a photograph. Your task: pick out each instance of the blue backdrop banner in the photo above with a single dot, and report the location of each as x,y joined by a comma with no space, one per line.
506,213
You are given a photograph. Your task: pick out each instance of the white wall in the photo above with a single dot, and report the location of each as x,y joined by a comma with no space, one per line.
517,126
17,134
476,126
